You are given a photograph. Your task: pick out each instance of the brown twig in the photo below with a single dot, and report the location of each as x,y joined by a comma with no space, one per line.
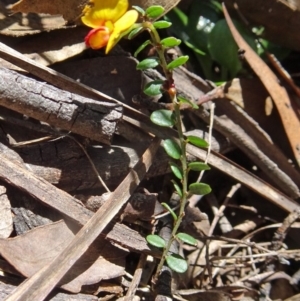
136,278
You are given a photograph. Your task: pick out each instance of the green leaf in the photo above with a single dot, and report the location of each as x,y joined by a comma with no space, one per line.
178,62
142,47
188,239
197,141
162,24
202,18
177,263
139,9
223,48
148,63
176,170
156,241
177,188
199,188
170,210
163,118
134,32
220,83
198,166
194,33
154,11
172,148
184,100
153,88
170,42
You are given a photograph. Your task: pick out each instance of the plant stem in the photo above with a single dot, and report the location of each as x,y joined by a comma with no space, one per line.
183,199
159,49
172,93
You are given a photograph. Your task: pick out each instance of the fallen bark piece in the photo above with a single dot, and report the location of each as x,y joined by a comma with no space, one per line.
96,120
140,206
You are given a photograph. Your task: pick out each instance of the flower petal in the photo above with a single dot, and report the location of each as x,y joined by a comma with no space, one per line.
100,11
120,27
97,38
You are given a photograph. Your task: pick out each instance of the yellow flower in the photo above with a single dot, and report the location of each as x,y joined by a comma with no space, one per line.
110,20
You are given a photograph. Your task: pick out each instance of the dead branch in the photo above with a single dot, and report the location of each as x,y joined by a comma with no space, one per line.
94,119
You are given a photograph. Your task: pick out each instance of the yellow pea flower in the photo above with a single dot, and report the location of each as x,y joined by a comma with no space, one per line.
110,20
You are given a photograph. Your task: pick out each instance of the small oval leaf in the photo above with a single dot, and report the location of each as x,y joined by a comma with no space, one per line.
163,118
153,88
197,141
198,166
178,62
154,11
142,47
177,263
188,239
176,170
220,44
135,32
199,188
139,9
170,210
177,188
162,24
184,100
147,63
172,149
156,241
170,42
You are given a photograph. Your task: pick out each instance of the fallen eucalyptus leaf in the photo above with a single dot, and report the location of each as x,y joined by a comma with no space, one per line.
30,252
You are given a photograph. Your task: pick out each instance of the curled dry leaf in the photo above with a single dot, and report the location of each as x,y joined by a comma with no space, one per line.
71,10
23,24
195,222
30,252
65,43
140,206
